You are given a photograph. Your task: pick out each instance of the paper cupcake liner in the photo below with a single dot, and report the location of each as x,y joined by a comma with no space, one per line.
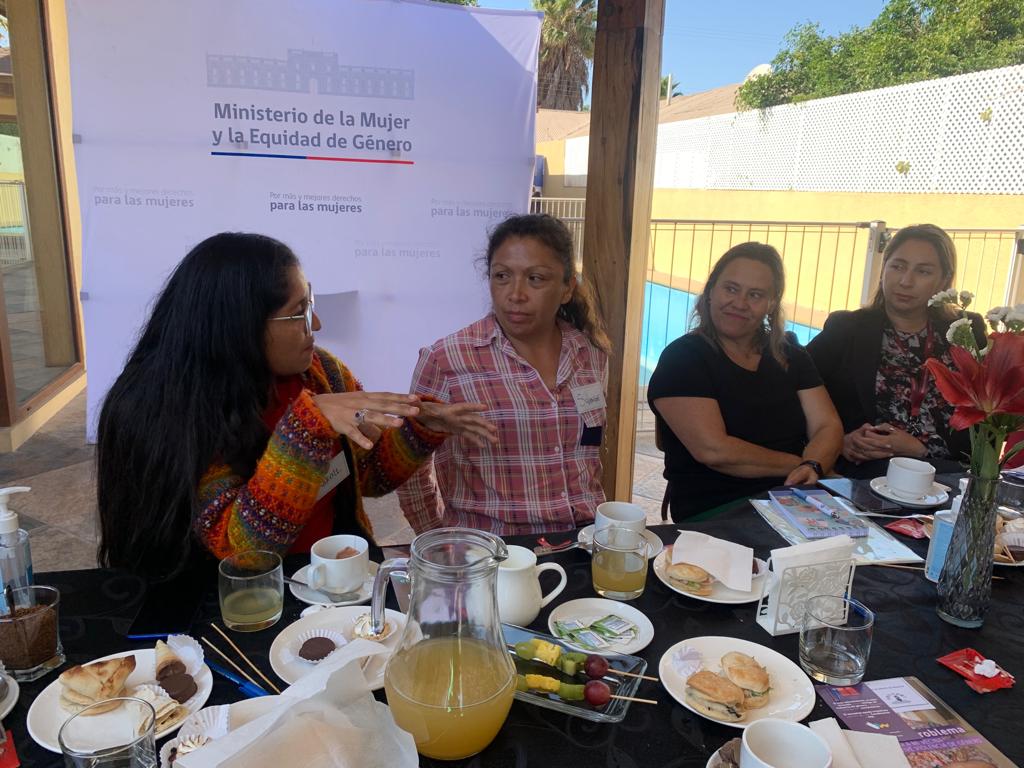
165,751
153,688
333,635
211,722
189,651
1012,538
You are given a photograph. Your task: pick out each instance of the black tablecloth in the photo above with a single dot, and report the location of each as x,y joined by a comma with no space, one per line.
97,608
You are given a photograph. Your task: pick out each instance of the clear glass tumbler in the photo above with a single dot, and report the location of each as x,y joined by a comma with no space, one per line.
126,739
29,636
835,639
251,590
619,565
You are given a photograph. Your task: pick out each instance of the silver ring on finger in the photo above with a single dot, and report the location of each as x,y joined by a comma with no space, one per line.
361,415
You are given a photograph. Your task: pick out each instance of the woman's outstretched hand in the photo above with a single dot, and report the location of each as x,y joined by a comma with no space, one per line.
462,419
354,414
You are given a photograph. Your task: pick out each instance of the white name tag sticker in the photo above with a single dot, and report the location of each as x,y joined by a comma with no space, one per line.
588,397
336,473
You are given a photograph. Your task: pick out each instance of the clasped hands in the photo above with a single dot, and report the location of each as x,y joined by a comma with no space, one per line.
880,441
362,416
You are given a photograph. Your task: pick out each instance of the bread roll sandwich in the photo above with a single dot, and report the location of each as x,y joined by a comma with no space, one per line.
714,696
690,578
88,684
750,676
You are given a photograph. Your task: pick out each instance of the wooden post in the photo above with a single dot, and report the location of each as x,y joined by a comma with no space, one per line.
620,176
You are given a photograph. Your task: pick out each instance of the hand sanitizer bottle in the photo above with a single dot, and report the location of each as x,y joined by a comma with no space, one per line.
15,553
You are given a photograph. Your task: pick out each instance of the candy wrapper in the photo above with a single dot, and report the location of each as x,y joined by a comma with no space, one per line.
908,527
977,670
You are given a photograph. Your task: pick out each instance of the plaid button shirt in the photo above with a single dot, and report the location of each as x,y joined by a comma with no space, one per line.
545,472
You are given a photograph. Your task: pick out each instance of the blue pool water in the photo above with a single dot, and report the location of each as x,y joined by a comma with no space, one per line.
667,317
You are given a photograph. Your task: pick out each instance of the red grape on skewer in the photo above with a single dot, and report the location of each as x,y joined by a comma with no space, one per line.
595,666
597,693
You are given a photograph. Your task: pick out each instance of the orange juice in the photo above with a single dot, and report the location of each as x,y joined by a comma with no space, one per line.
451,694
620,575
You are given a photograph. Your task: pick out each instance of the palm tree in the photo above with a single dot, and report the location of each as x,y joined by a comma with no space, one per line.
664,88
566,51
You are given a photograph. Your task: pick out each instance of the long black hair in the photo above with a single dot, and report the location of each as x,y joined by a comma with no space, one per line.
193,389
581,309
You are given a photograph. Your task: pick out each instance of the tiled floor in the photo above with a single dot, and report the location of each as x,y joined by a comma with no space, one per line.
60,512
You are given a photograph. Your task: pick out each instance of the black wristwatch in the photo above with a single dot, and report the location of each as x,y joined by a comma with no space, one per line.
813,465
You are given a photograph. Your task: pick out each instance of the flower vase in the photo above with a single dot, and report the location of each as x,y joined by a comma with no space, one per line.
965,585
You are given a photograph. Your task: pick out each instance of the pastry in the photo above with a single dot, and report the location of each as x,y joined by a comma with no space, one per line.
181,686
167,661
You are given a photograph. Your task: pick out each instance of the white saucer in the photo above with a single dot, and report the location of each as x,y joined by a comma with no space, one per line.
654,544
590,609
938,496
313,597
283,651
8,701
719,592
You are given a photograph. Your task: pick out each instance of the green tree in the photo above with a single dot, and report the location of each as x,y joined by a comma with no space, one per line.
911,40
664,88
566,51
457,2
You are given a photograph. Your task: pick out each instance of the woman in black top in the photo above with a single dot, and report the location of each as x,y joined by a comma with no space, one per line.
739,409
872,360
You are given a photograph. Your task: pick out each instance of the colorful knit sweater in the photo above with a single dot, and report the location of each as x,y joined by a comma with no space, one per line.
269,509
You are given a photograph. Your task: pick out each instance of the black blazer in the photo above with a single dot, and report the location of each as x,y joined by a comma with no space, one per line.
846,353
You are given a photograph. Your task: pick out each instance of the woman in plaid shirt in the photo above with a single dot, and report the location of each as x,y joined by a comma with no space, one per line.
539,362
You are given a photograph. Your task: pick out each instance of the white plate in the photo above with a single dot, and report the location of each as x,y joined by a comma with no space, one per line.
284,651
654,544
792,695
46,716
590,609
313,597
719,592
240,713
938,496
8,701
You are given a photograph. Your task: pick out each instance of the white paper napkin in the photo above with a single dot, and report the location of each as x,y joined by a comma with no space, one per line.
729,563
812,553
328,719
854,749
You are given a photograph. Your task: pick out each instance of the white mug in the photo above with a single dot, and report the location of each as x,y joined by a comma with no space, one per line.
620,514
519,595
331,574
774,743
910,477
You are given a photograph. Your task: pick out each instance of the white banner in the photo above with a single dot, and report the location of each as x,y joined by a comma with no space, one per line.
380,139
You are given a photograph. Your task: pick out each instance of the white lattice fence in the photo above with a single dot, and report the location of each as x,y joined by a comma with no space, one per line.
962,134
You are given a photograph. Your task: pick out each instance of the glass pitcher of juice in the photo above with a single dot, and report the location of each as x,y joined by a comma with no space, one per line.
450,681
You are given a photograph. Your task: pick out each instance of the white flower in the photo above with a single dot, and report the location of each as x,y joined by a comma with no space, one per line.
997,316
966,297
942,297
1015,317
960,333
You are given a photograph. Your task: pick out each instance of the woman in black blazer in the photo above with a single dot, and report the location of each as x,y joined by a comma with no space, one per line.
872,360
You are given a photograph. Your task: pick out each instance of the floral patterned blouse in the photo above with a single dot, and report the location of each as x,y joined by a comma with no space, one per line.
906,396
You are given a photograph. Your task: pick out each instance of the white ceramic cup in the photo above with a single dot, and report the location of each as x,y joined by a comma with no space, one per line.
519,595
773,743
328,573
620,514
910,477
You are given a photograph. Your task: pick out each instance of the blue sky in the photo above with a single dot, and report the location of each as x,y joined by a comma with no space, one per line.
708,44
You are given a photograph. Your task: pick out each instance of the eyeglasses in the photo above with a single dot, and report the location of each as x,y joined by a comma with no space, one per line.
307,315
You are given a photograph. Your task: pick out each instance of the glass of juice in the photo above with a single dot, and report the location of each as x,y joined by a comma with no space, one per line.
619,565
251,590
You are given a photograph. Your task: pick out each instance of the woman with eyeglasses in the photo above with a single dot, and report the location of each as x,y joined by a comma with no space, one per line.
230,427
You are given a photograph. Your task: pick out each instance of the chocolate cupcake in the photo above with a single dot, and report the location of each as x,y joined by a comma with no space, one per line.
180,686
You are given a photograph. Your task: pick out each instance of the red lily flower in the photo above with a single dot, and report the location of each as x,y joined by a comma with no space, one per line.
978,390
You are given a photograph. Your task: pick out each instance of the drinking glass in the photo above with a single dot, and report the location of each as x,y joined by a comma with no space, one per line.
619,565
251,590
835,640
126,739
